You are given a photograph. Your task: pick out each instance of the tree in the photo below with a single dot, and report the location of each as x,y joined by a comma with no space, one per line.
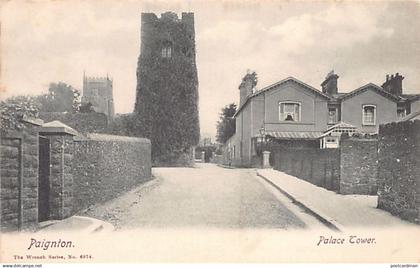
13,109
124,125
86,108
226,125
60,98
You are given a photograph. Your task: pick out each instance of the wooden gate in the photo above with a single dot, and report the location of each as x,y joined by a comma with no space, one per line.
44,179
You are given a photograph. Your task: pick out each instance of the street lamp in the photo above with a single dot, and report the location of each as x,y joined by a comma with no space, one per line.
265,153
262,137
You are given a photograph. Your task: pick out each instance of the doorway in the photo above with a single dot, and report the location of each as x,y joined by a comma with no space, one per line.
44,179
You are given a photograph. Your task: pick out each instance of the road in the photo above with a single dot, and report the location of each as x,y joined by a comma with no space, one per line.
204,196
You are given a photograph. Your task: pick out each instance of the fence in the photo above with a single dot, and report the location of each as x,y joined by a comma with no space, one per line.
350,169
317,166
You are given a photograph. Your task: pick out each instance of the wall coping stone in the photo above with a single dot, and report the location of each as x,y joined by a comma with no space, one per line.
57,127
108,137
360,139
32,120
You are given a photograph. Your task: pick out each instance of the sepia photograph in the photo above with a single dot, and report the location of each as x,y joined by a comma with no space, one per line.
222,131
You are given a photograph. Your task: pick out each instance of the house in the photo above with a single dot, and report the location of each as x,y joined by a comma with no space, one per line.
294,113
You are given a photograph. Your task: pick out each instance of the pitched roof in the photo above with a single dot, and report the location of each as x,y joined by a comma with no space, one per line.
273,86
342,125
362,89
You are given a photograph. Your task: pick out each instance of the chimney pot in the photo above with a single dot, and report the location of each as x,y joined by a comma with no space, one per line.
387,77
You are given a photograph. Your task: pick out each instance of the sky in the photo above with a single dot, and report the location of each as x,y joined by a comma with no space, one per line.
51,41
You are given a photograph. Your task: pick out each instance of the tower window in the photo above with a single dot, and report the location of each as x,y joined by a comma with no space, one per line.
369,115
167,51
289,111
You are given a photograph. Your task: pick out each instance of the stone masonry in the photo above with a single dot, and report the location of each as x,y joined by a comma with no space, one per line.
105,166
358,166
399,169
19,178
61,177
71,174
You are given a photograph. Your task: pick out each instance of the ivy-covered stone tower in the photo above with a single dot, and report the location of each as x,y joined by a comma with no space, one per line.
167,86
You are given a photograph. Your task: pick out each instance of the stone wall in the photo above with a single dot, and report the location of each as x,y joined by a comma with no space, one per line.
399,169
105,166
359,166
82,122
49,174
19,178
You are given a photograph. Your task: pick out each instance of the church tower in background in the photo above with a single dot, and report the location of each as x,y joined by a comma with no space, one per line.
98,91
167,86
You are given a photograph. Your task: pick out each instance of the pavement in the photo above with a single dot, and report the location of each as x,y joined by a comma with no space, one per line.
339,212
78,224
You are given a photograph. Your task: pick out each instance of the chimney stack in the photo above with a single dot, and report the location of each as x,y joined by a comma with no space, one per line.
246,87
329,86
393,84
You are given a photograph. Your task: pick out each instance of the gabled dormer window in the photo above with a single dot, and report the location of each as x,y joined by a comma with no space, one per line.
369,115
289,111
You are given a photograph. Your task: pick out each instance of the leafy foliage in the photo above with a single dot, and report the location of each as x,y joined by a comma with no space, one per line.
226,125
124,125
13,109
60,98
86,108
167,98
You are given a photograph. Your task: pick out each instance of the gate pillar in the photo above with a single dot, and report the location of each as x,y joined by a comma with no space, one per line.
266,159
60,175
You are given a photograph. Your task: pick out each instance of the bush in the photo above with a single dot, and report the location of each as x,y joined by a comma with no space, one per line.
12,111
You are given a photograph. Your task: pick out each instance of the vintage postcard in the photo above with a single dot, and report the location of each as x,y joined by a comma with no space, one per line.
226,131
